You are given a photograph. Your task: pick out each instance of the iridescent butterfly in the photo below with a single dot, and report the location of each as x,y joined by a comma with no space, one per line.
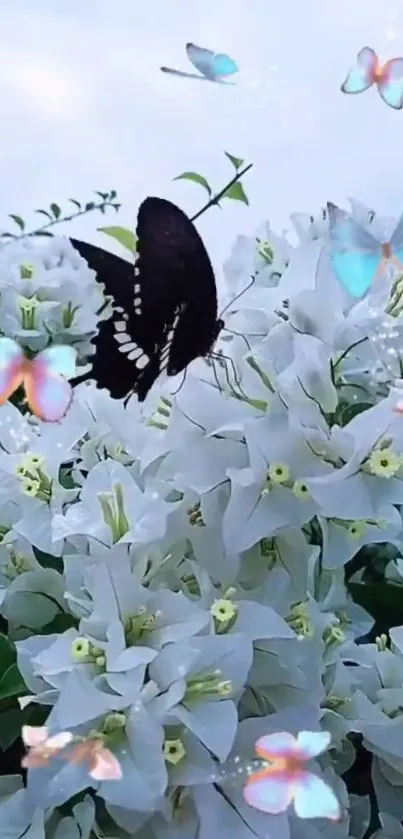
44,379
387,77
285,780
356,256
213,66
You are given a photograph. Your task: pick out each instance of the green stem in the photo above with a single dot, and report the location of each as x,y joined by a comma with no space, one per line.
216,198
108,201
40,231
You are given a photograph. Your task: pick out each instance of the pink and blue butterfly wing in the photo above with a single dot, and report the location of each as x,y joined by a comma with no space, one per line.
47,389
223,65
390,85
11,362
355,254
274,746
48,396
313,799
313,743
362,76
269,792
59,360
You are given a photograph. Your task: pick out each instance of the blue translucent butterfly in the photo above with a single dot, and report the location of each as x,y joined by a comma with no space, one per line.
44,379
356,256
213,66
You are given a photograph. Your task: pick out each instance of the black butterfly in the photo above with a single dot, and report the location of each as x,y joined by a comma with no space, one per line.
165,306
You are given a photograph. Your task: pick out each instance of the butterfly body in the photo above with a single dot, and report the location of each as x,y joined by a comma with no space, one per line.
387,77
356,256
44,378
214,67
165,306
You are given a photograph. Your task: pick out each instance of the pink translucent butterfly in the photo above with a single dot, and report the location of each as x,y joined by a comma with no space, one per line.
47,390
368,71
285,780
102,764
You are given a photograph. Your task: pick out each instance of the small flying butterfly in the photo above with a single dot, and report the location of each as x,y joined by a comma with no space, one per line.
387,77
164,306
285,780
214,66
44,378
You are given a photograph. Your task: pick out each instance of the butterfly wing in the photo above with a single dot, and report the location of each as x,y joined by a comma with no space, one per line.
58,360
165,307
313,743
390,85
175,265
268,791
211,65
362,76
278,745
223,65
314,799
47,389
355,254
11,361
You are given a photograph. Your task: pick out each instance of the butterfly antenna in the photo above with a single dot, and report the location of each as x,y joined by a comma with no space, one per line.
237,296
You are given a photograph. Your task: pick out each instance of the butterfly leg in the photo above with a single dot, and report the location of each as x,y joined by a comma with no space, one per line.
239,335
226,360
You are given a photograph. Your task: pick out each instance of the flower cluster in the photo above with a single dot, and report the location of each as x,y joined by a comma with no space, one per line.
173,576
48,295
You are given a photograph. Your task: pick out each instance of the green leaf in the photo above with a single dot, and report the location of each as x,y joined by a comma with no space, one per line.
45,213
55,210
7,653
196,178
103,195
43,233
113,194
18,220
122,235
236,161
48,561
76,203
11,722
12,683
384,601
236,192
89,206
61,623
348,413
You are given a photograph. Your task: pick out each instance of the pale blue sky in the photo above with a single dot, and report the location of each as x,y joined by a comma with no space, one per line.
84,106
